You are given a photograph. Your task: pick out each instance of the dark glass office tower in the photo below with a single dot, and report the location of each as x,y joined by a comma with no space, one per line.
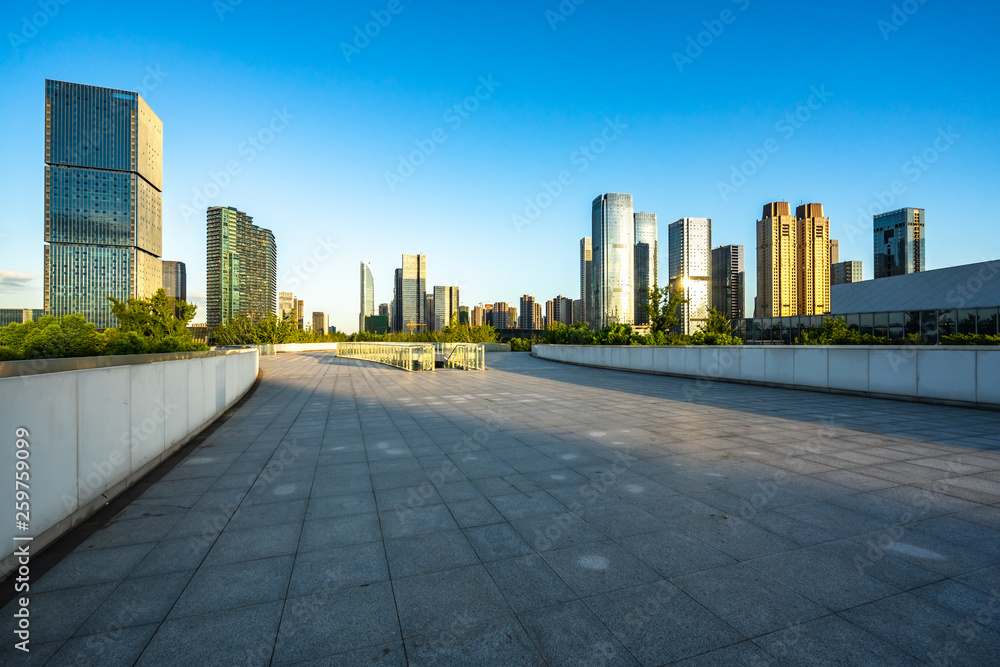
728,281
175,280
242,272
103,201
899,242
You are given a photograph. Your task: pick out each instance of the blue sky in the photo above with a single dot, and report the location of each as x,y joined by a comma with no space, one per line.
684,94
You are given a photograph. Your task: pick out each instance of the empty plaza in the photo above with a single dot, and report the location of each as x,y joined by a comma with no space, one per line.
540,513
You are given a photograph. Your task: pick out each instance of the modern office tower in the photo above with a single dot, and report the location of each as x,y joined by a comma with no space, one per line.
488,315
300,313
586,278
527,319
834,252
321,322
383,310
613,259
395,321
19,315
777,263
463,315
899,242
846,272
367,294
286,304
445,305
813,257
242,267
646,256
478,318
579,311
690,266
175,280
411,291
429,310
103,201
728,281
500,314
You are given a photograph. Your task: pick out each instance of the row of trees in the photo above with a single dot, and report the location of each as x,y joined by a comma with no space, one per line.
155,324
272,330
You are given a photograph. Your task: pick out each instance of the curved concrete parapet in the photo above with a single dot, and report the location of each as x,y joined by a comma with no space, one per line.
95,426
967,376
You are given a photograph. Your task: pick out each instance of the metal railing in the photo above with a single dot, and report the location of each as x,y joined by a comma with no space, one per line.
408,356
467,356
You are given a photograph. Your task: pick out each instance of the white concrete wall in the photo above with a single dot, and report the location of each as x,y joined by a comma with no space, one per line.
93,433
960,375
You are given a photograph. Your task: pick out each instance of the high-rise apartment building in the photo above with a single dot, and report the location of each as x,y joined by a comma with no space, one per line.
728,278
813,257
586,279
834,252
445,305
613,263
478,316
103,201
175,280
646,259
501,313
578,311
242,273
367,295
286,304
300,313
550,313
777,264
511,317
527,308
899,242
411,294
320,323
690,267
846,272
562,311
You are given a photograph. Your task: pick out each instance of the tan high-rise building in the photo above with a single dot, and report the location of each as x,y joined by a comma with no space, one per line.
777,264
813,254
321,323
300,313
793,261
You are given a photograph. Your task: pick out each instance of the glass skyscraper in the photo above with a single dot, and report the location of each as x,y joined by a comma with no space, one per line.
175,280
367,294
646,258
728,273
586,281
445,305
410,294
899,242
242,271
690,269
103,201
613,241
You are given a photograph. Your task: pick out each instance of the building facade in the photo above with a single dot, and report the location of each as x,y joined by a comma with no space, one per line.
367,294
527,310
103,200
500,315
286,304
320,322
690,267
445,305
899,242
613,259
242,275
411,292
845,272
175,280
586,279
300,313
813,259
19,315
646,261
728,280
777,266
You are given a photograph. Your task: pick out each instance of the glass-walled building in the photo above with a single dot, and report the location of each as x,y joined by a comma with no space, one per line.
690,267
728,281
646,260
367,294
411,294
613,259
175,280
103,199
899,242
585,312
242,272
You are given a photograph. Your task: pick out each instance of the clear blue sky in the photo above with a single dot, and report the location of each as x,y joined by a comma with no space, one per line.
220,75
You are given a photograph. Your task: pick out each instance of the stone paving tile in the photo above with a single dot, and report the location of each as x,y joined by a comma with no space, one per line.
383,517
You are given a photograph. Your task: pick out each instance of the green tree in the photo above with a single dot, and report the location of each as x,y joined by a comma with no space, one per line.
661,311
715,331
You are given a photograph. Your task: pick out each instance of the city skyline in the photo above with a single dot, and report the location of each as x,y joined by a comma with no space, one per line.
870,144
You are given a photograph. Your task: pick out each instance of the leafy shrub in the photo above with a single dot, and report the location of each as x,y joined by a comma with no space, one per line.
970,339
520,345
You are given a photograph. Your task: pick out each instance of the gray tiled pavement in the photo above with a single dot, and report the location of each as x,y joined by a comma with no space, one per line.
540,513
